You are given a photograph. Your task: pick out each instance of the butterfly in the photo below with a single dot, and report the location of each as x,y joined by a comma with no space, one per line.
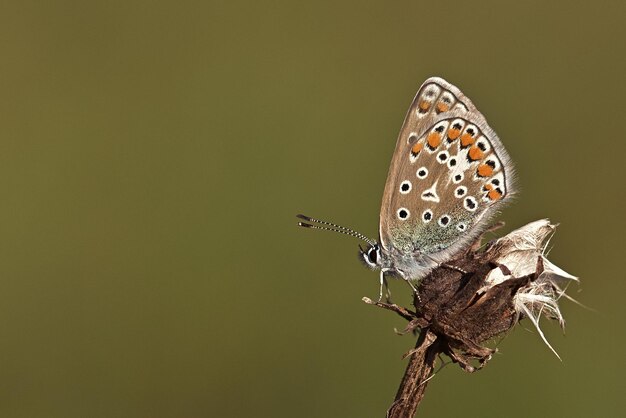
449,175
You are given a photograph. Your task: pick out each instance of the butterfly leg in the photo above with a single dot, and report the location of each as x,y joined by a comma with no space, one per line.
384,285
406,279
415,292
448,266
451,267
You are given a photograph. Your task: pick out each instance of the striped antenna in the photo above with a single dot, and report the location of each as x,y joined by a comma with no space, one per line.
329,226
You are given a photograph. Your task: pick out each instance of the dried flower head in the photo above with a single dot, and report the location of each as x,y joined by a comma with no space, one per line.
519,251
483,293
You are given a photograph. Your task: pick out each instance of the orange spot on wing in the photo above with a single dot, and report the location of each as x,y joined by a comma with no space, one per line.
475,153
424,105
442,107
484,170
494,194
488,187
434,139
417,148
466,139
454,133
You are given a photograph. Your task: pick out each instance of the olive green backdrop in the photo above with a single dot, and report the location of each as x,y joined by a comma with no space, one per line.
153,156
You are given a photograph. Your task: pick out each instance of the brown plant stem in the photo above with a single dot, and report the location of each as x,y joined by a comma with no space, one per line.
416,376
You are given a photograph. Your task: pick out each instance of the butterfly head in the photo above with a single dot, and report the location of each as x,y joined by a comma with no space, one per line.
371,256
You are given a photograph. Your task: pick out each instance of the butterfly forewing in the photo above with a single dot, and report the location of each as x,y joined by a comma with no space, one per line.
449,170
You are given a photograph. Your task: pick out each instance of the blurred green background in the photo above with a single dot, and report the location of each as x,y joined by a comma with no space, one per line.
153,156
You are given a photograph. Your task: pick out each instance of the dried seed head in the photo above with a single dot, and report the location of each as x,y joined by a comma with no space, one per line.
519,252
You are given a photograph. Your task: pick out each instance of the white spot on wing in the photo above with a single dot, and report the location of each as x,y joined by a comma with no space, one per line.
403,214
460,106
429,95
460,192
405,187
470,203
447,100
421,173
430,194
444,221
427,216
483,142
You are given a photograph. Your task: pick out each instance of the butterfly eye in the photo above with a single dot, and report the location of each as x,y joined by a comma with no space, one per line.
372,255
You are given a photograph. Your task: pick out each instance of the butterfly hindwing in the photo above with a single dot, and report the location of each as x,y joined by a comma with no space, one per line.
448,172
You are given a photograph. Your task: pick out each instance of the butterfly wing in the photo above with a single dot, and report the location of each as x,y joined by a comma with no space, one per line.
448,174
